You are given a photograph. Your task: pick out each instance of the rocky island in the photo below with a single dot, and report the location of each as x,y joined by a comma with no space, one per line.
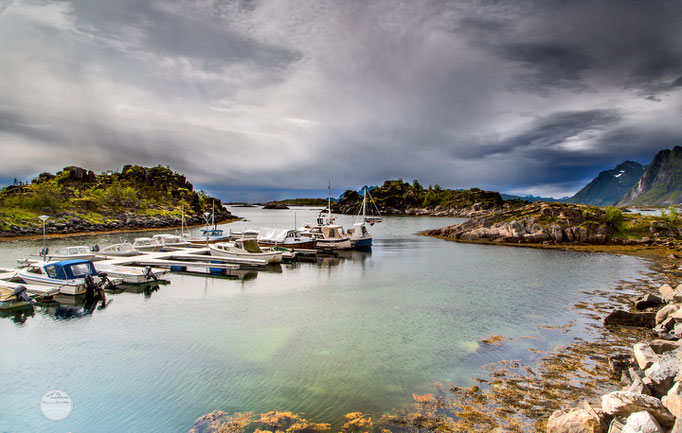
559,223
396,197
77,200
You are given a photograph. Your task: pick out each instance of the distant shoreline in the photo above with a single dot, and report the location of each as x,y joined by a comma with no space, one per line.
101,232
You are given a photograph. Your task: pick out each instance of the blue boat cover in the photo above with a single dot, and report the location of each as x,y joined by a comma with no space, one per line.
70,269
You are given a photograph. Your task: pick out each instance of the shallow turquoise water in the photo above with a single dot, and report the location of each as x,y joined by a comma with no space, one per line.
362,332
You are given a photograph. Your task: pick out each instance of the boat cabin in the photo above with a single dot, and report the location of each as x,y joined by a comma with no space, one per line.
333,232
64,270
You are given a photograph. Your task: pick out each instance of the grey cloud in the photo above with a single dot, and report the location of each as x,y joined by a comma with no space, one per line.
290,94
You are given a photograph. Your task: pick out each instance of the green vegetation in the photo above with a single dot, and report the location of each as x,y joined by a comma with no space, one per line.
396,196
100,199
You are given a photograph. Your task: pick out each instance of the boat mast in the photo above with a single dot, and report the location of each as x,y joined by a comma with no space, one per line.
364,204
213,214
329,200
182,226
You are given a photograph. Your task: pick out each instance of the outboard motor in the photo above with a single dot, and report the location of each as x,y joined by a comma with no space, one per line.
105,280
94,248
149,274
44,251
20,294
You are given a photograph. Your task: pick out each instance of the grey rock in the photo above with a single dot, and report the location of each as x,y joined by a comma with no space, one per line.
624,403
642,422
581,419
662,372
625,318
666,292
647,301
661,346
644,355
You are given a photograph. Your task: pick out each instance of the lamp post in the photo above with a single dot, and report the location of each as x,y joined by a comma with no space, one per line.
44,218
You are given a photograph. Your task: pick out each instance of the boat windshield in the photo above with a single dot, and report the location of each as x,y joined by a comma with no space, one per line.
80,269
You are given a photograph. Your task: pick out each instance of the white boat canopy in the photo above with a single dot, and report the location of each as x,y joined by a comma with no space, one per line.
272,235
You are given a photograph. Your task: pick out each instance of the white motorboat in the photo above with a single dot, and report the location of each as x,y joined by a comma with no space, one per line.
148,245
132,274
244,248
172,241
123,249
68,275
290,239
244,234
76,252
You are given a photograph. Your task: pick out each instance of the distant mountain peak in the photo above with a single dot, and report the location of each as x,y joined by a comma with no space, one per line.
660,184
609,185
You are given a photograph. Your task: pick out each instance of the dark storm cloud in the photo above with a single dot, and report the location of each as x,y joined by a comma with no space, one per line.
275,95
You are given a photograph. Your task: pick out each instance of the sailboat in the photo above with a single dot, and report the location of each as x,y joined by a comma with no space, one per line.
359,236
209,235
328,235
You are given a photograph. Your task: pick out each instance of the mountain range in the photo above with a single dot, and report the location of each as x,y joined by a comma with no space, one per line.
631,184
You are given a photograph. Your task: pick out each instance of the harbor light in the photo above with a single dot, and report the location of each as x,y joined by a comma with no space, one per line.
44,218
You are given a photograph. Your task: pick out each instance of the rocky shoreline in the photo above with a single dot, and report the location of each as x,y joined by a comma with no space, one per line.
127,222
651,374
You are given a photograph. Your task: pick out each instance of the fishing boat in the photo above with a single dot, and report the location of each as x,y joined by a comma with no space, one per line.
148,245
244,248
291,239
172,241
332,237
76,252
123,249
68,275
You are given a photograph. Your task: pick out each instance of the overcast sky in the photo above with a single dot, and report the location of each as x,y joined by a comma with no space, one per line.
263,99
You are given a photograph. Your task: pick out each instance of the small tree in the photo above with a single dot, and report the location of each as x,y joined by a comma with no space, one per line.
614,217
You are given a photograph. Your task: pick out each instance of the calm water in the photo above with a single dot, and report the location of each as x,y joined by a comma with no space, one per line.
362,332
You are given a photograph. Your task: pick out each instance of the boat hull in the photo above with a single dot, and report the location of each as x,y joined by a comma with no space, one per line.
333,244
308,245
270,257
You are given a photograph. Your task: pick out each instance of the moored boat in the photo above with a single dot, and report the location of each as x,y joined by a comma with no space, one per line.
68,275
123,249
14,298
291,239
75,252
332,237
148,245
172,241
244,248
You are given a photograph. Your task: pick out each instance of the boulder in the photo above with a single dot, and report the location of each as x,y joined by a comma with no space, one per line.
644,355
618,363
677,314
624,403
620,317
662,372
642,422
666,292
668,324
582,419
673,400
661,346
647,301
677,294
